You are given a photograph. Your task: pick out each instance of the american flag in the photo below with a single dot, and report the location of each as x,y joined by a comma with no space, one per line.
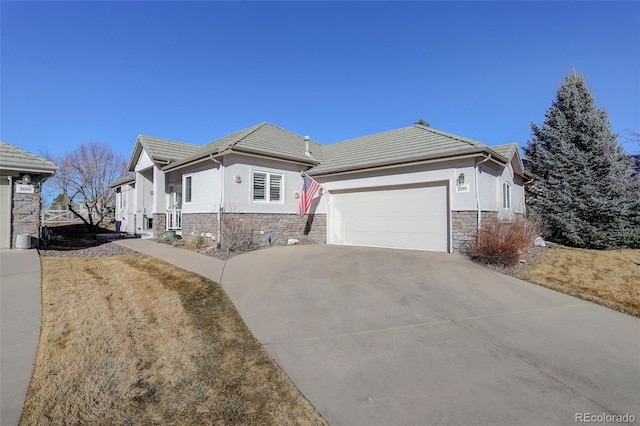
309,189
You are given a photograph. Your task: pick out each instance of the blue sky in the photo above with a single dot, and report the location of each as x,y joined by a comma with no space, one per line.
75,72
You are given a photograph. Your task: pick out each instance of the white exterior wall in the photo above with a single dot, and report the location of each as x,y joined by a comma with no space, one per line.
238,196
489,181
125,200
445,172
143,198
144,162
492,176
159,191
517,189
205,188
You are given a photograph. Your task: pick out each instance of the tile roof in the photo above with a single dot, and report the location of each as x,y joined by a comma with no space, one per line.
265,139
127,179
14,158
394,147
508,151
398,146
161,150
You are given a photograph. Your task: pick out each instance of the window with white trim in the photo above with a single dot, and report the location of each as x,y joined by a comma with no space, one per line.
187,189
267,187
506,196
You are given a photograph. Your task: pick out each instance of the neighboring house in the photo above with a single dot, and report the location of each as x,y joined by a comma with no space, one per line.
21,177
414,187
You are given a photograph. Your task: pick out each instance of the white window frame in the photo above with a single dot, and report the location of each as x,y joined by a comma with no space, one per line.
187,195
268,179
506,196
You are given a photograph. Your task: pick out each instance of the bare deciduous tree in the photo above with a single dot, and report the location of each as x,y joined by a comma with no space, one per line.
84,176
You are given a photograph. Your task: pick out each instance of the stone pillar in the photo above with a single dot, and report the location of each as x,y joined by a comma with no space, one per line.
464,229
25,214
159,225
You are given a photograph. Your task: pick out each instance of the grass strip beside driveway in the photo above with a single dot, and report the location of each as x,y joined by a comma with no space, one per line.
133,340
608,277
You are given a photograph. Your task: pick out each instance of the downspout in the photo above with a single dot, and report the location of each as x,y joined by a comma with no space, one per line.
219,231
477,172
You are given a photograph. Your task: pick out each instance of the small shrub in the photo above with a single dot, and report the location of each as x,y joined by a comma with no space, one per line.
500,242
197,241
238,237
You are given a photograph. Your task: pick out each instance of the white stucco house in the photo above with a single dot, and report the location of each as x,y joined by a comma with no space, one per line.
414,187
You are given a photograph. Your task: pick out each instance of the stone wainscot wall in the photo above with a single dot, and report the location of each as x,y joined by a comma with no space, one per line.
310,228
465,227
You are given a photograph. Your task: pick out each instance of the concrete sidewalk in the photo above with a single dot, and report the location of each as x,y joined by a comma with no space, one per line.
206,266
20,319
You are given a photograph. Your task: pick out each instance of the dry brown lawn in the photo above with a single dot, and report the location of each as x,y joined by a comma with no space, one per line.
609,278
132,340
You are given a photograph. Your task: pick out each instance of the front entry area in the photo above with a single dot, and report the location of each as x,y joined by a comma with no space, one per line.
406,217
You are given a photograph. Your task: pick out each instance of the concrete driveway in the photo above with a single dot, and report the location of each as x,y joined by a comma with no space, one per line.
391,337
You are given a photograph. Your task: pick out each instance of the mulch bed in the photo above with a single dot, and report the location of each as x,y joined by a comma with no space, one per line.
102,250
88,248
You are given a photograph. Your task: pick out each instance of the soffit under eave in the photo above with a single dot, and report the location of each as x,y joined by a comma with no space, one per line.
263,154
472,153
21,168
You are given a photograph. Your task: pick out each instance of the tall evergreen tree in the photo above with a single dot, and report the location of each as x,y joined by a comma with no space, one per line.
584,190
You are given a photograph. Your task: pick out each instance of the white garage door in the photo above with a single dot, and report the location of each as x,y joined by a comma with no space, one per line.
395,217
5,213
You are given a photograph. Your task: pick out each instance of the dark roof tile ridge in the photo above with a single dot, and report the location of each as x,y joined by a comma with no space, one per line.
255,129
165,140
237,132
469,141
366,136
291,132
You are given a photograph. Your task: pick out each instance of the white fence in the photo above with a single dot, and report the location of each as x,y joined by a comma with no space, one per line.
66,216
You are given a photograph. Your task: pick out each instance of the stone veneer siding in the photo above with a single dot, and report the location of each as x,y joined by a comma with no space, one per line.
159,225
199,223
465,227
25,215
310,228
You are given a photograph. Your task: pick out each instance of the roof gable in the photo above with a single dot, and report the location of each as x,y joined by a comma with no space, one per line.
263,139
398,146
161,151
511,153
14,158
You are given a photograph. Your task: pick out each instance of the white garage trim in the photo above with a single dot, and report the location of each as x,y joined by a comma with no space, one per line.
412,217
